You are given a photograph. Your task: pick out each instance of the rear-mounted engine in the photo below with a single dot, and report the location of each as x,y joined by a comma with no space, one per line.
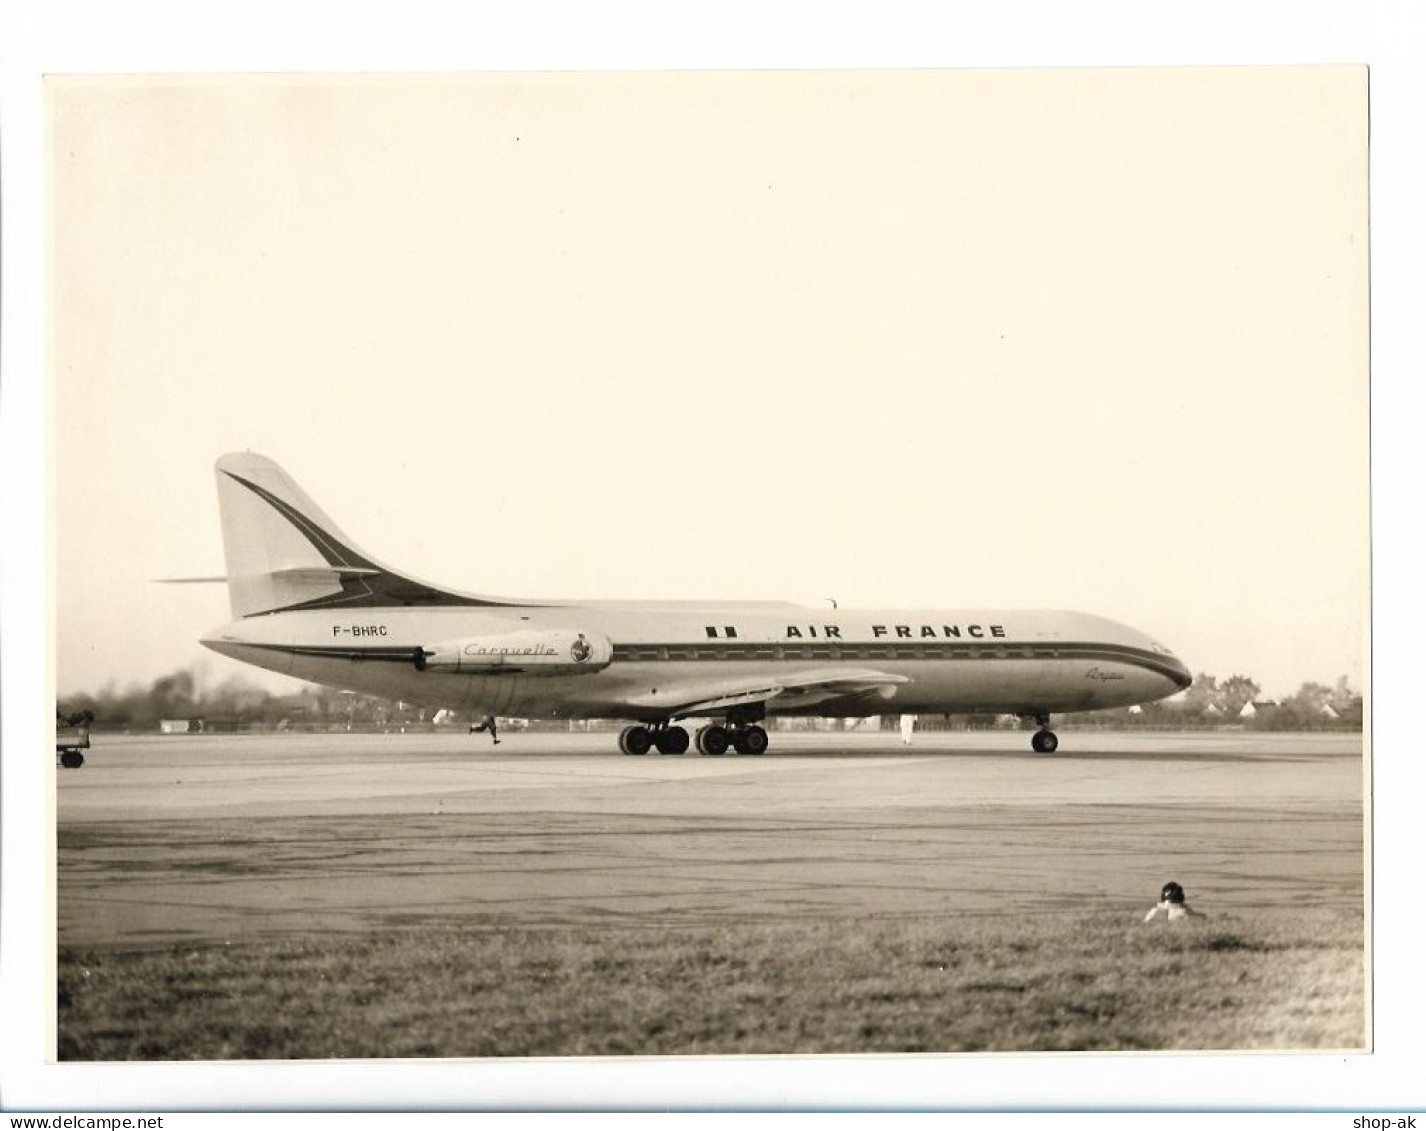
553,652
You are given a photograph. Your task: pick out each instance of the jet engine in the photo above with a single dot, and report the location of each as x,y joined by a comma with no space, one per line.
530,652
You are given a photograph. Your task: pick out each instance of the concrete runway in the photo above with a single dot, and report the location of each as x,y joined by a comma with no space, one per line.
171,839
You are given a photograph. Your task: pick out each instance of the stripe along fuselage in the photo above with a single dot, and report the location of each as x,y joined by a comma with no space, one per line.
1013,661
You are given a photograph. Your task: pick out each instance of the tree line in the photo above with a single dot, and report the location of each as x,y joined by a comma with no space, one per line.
235,704
1238,701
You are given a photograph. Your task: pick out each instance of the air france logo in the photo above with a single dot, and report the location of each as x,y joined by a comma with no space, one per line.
580,650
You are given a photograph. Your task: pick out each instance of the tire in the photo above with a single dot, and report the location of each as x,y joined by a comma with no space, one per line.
750,740
673,740
635,740
71,759
713,740
1044,742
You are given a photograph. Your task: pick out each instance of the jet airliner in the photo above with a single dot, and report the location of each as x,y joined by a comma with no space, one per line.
307,602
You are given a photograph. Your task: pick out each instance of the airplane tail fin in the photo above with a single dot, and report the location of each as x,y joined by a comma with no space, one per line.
283,553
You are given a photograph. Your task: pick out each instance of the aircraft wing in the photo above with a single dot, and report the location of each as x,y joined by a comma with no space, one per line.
780,692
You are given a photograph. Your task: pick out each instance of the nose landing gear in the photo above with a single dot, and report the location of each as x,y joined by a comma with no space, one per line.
1044,741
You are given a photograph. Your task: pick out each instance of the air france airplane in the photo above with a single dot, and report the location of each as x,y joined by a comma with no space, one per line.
307,602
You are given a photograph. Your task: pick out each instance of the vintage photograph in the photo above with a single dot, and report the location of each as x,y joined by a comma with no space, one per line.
710,563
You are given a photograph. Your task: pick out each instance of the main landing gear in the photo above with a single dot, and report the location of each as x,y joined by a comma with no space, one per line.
1044,741
661,737
714,740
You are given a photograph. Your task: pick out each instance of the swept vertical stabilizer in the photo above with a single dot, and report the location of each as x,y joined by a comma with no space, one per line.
283,553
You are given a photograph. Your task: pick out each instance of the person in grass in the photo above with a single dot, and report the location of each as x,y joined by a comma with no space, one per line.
1172,905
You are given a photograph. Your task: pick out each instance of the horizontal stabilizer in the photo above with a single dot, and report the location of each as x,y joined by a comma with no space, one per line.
323,573
292,573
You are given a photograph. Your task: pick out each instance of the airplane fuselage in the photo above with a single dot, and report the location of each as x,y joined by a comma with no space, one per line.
951,661
307,602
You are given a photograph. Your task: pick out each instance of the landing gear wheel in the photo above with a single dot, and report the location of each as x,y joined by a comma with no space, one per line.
1044,742
713,740
751,740
635,740
671,740
71,759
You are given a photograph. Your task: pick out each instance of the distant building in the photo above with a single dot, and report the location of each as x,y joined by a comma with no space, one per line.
179,726
1257,708
1329,712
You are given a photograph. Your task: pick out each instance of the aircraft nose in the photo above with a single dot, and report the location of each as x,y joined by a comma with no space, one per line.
1181,676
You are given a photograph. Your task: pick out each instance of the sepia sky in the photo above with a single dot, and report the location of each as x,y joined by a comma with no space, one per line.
1081,339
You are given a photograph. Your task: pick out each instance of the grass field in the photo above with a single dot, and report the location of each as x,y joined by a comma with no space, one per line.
1285,980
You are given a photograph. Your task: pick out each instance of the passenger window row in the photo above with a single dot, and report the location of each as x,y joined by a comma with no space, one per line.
836,651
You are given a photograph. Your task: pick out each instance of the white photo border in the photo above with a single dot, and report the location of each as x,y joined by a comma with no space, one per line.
158,36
